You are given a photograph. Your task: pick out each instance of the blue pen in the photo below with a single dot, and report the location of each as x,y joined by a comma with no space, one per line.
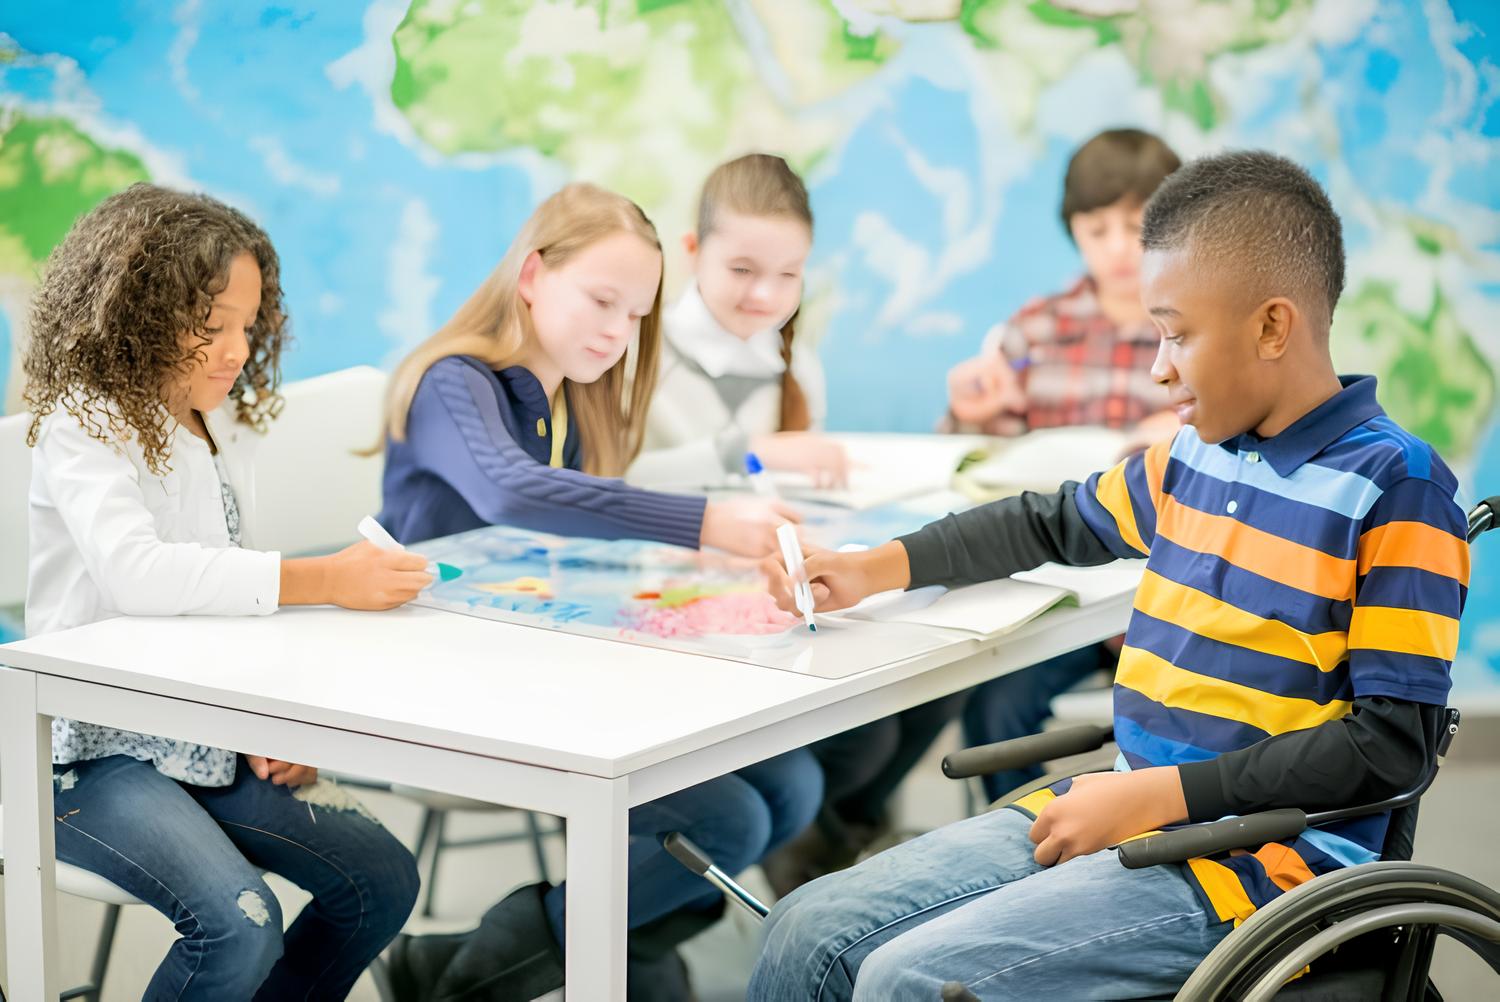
760,480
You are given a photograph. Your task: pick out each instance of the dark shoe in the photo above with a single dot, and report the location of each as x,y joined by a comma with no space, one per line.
664,979
511,957
661,937
415,963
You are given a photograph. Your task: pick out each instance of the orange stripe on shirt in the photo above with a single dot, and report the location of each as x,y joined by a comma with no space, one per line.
1224,890
1113,493
1282,864
1415,544
1404,631
1273,557
1156,469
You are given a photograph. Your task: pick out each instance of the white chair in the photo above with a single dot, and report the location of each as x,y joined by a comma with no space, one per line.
312,485
15,476
84,884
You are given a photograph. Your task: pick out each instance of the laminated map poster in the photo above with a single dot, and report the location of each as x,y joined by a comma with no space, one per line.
650,593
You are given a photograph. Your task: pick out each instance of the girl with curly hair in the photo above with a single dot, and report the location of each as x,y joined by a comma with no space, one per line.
152,368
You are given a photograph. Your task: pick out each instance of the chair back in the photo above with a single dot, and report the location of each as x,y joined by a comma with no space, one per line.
312,485
15,481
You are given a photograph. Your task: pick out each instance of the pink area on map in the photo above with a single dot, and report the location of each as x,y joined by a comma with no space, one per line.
737,612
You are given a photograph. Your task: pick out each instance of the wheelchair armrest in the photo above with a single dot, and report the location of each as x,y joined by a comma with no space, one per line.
1182,844
1021,752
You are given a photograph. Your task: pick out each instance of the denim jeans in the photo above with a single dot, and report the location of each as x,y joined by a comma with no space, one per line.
1018,704
968,903
196,853
736,819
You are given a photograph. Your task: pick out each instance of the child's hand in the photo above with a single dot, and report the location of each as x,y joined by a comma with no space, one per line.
983,388
1104,808
364,576
746,526
818,456
282,773
840,580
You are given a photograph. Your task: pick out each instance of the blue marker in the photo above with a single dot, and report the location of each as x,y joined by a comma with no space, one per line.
760,480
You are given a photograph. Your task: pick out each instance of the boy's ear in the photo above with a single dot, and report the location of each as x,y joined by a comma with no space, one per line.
690,245
526,282
1276,318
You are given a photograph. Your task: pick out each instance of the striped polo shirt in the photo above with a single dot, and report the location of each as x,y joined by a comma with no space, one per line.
1286,577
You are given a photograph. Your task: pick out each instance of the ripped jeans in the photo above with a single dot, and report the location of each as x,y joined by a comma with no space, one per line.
196,853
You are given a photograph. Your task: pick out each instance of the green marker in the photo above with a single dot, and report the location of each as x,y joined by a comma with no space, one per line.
375,533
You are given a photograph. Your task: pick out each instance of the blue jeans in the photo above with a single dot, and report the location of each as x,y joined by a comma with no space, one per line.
1018,704
969,903
195,854
736,819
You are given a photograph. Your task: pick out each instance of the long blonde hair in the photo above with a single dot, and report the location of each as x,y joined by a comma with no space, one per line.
759,184
494,325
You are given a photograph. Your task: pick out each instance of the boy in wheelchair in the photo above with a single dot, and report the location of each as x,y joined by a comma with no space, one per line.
1289,646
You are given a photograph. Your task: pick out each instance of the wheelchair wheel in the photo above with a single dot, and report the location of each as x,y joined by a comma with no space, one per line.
1254,963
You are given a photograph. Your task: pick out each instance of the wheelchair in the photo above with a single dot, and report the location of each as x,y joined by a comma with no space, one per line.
1359,934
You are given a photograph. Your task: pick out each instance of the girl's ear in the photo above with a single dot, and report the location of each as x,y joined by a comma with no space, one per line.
526,283
690,245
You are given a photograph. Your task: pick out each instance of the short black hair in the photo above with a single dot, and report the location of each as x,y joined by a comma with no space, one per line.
1260,214
1115,164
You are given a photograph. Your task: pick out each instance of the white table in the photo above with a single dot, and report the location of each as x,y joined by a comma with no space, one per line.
571,726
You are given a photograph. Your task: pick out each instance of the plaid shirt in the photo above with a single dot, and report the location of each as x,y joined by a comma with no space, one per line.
1080,368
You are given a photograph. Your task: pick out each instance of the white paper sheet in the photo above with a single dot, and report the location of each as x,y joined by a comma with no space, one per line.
1088,585
1042,460
887,468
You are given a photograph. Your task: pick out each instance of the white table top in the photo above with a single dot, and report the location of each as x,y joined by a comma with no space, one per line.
530,695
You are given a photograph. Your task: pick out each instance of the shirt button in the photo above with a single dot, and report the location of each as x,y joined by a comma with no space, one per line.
1232,507
1252,457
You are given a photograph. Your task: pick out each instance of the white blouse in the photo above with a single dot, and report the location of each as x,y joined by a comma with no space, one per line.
108,537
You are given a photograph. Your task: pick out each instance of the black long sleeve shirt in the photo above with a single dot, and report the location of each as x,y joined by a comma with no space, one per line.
1379,750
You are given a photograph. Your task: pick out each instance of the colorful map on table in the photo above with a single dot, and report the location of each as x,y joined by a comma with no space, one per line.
661,596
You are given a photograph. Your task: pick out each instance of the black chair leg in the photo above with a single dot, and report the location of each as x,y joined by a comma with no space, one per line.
534,825
439,823
102,952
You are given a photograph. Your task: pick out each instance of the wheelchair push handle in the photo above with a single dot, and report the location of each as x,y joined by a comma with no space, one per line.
1021,752
1210,839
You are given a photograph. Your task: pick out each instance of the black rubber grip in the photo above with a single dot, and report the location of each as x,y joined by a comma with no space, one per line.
1018,753
687,853
1214,837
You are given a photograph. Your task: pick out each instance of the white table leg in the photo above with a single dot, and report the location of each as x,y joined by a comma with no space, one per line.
598,836
30,864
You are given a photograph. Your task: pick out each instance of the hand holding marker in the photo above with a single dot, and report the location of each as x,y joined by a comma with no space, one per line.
375,533
791,552
760,480
786,535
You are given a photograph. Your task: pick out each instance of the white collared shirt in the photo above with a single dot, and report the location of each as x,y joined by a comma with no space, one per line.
715,391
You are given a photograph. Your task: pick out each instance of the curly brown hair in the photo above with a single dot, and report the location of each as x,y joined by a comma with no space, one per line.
132,283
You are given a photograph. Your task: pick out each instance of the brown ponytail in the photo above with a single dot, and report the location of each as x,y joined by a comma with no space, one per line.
759,184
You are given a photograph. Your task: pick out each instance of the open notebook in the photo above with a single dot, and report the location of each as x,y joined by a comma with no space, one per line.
887,468
995,608
1042,460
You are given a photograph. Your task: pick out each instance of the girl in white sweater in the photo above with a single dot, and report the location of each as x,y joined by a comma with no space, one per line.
733,379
